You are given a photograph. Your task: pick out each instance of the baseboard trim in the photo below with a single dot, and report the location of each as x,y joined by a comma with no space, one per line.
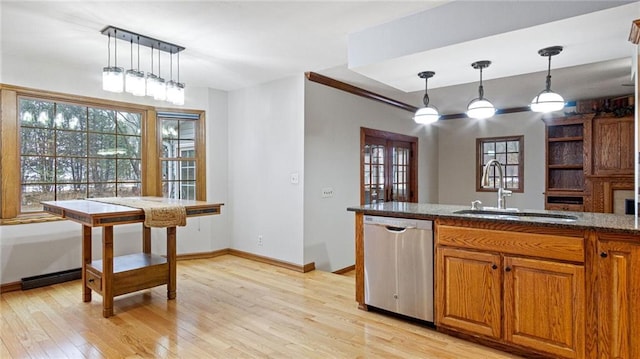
276,262
345,269
10,287
14,286
203,255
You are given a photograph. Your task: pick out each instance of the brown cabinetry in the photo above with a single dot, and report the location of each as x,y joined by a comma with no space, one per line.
588,158
523,289
565,176
619,295
612,146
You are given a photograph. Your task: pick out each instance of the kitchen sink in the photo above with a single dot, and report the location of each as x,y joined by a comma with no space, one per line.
515,215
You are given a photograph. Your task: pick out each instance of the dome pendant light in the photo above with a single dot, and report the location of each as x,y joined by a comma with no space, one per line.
427,114
547,100
480,108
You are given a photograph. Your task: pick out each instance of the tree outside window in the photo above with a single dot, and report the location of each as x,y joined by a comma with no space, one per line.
509,151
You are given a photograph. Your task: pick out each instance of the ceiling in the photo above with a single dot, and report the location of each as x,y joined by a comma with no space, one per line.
232,45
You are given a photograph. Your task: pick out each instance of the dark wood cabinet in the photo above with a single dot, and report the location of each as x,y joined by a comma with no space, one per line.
588,158
565,153
612,146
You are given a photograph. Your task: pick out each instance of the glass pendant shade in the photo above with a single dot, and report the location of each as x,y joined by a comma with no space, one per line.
152,84
547,101
179,94
480,109
172,90
113,79
426,115
160,92
134,82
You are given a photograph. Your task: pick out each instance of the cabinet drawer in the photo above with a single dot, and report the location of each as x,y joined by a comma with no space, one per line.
94,281
529,244
564,207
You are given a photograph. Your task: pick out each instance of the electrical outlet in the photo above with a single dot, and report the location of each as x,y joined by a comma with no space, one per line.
327,192
260,240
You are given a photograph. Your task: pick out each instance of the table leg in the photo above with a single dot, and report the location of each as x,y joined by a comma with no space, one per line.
107,271
171,259
146,239
86,259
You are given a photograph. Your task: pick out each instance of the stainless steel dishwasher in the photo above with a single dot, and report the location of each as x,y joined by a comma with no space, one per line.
398,265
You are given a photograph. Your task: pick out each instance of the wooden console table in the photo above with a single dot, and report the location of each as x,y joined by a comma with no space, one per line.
113,276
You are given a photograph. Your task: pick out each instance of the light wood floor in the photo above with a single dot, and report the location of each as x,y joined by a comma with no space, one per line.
226,307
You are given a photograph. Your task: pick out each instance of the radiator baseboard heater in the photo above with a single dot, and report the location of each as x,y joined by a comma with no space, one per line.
44,280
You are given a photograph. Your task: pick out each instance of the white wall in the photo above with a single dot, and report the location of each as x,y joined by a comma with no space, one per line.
457,149
266,144
332,159
34,249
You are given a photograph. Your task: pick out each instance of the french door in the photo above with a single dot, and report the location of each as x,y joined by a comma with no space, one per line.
388,167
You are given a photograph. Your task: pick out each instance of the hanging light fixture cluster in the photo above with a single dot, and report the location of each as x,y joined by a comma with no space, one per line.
134,81
481,108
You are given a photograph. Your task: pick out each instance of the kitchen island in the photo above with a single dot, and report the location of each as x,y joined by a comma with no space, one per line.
536,283
113,276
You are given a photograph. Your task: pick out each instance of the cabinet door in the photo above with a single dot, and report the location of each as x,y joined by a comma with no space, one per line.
618,299
613,144
468,291
544,305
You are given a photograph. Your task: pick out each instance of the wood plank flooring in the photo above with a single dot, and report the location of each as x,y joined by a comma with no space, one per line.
226,307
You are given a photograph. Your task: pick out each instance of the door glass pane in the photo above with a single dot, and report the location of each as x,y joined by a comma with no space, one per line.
400,174
374,173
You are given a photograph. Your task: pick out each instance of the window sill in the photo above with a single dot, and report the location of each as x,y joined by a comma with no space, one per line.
30,218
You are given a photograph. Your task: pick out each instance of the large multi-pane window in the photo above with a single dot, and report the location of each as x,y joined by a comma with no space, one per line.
509,151
70,151
178,157
58,147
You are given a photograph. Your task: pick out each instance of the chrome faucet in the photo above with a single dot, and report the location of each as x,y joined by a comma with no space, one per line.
502,191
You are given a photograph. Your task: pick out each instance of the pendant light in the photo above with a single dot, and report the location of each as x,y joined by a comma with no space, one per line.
179,98
547,100
134,82
480,108
427,114
172,88
112,77
152,79
160,92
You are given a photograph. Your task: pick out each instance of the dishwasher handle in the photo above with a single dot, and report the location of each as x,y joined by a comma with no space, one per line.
394,229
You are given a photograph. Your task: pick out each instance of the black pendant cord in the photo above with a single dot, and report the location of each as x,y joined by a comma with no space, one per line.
549,76
480,88
425,99
131,53
109,52
115,48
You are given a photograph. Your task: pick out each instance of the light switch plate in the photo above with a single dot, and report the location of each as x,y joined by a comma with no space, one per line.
327,192
295,178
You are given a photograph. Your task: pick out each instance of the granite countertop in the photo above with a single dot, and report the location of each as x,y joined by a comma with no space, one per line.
605,222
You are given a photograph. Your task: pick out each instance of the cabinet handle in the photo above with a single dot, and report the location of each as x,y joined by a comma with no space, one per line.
494,267
508,269
604,254
91,280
